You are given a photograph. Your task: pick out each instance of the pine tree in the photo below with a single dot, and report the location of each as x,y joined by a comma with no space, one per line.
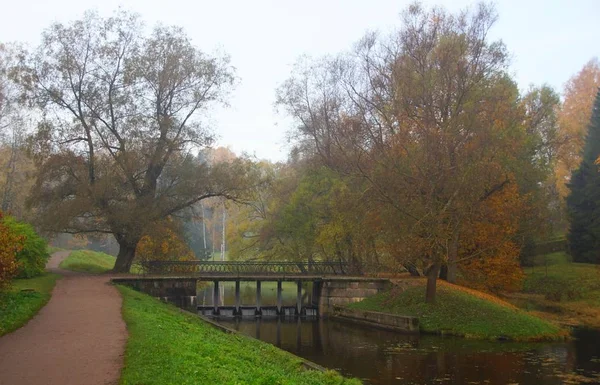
584,200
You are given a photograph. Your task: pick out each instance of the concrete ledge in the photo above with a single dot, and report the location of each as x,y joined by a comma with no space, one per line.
386,321
183,287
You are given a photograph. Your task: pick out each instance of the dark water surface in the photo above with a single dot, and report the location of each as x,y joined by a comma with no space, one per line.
382,357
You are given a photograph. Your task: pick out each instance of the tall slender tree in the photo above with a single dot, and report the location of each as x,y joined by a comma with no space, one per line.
584,200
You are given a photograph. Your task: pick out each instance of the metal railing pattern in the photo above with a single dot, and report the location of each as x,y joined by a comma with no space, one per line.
241,268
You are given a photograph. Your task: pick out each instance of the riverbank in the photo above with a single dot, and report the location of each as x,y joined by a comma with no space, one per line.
463,312
168,346
23,300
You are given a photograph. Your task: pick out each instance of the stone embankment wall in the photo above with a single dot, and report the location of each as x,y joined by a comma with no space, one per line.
380,320
341,292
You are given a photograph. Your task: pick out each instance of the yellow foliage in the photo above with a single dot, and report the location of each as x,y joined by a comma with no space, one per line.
10,245
163,243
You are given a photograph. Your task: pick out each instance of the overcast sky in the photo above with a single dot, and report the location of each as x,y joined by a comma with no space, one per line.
550,40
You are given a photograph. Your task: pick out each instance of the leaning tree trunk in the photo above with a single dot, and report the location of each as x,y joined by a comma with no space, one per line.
125,256
412,269
432,275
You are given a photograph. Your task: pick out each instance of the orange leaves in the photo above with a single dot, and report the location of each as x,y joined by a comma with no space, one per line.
10,245
163,243
491,257
579,94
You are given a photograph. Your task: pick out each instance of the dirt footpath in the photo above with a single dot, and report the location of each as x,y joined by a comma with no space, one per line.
78,338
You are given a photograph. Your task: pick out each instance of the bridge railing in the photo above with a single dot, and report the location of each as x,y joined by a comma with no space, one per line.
241,268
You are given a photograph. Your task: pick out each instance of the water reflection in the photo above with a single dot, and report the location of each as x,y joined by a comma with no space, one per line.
381,357
248,293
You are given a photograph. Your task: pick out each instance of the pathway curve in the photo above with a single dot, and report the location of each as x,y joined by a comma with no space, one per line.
78,338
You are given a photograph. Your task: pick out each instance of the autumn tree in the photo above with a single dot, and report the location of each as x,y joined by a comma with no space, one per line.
428,120
584,200
123,114
536,161
163,242
16,169
249,233
579,94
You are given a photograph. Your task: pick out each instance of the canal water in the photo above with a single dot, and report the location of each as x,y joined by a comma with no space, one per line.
382,357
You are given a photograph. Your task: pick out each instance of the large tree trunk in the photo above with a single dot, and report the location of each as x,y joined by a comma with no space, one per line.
125,256
432,275
452,258
444,272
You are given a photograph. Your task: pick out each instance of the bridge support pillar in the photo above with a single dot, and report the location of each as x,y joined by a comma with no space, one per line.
299,299
279,299
316,293
216,299
258,298
237,310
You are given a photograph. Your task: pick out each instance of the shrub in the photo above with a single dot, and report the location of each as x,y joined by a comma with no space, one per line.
163,243
32,258
10,245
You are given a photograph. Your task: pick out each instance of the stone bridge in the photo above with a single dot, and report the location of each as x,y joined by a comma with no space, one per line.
333,284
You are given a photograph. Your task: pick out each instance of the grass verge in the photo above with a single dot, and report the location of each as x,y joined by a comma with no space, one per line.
459,312
168,346
54,249
564,282
87,261
23,300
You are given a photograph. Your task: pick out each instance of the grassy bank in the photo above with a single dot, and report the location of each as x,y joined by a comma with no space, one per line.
87,261
168,346
20,303
561,290
460,312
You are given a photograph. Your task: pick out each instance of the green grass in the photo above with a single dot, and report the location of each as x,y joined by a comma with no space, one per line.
168,346
568,293
459,313
564,282
17,306
54,249
216,256
541,261
88,262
